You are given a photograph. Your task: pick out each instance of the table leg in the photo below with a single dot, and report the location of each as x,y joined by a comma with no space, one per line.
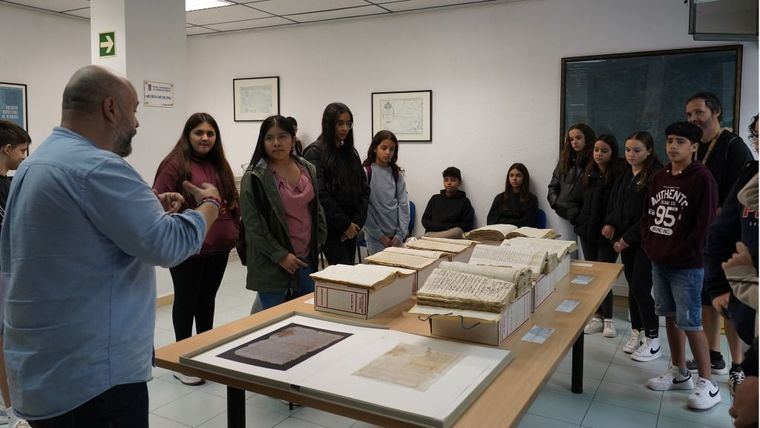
235,408
576,382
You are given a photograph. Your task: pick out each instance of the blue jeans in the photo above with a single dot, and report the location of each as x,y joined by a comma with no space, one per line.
305,286
677,294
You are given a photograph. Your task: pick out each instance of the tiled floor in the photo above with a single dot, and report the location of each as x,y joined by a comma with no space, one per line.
614,394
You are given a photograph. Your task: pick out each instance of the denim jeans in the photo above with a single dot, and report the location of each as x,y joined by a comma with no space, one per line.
677,294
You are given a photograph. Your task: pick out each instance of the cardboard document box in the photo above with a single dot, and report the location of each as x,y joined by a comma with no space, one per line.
361,291
422,265
476,326
543,288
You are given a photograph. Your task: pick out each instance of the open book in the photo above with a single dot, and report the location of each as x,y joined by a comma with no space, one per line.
453,289
415,252
559,247
537,261
520,276
493,232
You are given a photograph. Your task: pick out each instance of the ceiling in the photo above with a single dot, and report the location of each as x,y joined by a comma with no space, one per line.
247,14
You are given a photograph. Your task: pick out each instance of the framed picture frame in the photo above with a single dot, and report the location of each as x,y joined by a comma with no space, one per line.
255,98
623,93
13,104
408,114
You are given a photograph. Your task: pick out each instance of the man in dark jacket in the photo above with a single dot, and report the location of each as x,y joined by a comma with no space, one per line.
724,154
450,209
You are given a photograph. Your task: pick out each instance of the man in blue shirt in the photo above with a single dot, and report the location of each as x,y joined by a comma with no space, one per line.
81,236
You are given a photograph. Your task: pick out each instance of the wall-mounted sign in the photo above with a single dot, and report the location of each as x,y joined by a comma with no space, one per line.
13,103
158,94
107,44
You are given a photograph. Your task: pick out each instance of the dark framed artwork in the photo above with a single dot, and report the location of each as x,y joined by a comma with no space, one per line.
408,114
13,104
255,98
620,94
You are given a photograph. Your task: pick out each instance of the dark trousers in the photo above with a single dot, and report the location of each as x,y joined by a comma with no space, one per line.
600,251
638,273
123,406
305,286
196,281
338,252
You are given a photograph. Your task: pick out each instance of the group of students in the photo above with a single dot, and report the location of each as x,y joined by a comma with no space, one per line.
674,226
296,203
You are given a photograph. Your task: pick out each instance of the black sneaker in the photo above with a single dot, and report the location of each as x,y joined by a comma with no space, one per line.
735,377
716,366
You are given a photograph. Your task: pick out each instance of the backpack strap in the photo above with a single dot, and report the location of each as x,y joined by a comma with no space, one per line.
368,170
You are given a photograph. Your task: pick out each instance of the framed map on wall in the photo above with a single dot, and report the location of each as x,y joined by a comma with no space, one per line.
407,114
256,98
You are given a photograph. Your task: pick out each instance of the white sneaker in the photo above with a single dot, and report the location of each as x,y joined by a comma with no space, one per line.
705,395
14,421
609,328
633,342
672,379
595,325
649,350
188,380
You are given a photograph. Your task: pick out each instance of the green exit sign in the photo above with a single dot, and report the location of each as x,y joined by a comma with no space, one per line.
107,44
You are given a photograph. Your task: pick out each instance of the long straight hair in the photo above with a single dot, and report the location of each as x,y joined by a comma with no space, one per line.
281,122
351,179
614,167
651,162
569,157
372,155
524,187
183,153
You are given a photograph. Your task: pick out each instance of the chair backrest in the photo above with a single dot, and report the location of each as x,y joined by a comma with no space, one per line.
412,211
540,219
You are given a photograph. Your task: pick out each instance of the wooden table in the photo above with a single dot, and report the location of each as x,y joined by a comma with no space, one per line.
501,404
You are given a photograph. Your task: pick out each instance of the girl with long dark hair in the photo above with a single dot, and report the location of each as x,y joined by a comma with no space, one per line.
284,222
343,189
516,205
199,158
575,155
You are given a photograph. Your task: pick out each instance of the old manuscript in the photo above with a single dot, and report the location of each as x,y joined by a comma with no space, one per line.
559,247
452,289
409,261
369,276
537,260
412,366
492,232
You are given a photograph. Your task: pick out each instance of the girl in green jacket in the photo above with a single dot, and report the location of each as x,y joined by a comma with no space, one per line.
283,220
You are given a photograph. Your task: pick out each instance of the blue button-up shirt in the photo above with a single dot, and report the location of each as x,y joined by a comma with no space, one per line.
81,236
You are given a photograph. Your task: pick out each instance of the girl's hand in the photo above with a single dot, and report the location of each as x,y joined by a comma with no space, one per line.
608,231
291,263
352,231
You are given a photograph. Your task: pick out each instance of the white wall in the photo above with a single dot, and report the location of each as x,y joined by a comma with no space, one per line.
494,71
42,59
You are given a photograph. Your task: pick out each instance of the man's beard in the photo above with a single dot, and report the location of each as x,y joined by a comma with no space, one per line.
123,144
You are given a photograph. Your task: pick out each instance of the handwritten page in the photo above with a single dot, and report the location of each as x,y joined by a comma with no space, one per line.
520,276
435,245
536,260
452,289
556,246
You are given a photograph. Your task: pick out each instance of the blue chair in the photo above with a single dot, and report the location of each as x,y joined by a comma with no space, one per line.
540,219
412,212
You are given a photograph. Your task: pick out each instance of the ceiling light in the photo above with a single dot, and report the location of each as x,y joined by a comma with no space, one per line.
191,5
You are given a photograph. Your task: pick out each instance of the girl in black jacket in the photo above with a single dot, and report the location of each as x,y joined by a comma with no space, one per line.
622,227
587,207
517,205
575,154
343,189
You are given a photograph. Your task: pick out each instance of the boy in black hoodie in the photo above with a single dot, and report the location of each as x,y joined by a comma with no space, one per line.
449,212
680,205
